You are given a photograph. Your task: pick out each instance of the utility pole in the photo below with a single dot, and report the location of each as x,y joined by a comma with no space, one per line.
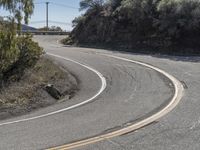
47,15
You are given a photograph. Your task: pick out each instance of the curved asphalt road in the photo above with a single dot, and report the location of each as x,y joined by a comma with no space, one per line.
132,92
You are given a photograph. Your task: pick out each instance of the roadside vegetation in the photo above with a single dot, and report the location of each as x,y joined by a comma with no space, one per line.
17,52
29,93
52,28
161,26
24,71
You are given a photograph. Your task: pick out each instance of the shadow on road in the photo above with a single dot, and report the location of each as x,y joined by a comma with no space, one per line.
184,58
195,59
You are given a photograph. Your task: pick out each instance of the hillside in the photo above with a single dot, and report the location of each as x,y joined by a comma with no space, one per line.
28,28
157,25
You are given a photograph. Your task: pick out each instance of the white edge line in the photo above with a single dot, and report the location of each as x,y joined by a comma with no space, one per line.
178,87
103,86
178,93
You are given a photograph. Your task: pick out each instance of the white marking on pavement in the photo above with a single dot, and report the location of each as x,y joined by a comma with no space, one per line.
178,93
103,86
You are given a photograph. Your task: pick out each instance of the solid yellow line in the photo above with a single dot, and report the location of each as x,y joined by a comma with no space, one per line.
172,104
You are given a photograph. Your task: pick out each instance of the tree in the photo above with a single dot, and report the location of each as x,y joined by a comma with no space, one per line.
21,9
138,15
16,52
154,23
91,4
56,28
179,17
52,28
114,3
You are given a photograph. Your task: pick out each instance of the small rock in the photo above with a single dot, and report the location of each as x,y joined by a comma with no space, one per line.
53,91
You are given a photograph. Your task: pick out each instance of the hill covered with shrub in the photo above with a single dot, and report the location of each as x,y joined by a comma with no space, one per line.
168,26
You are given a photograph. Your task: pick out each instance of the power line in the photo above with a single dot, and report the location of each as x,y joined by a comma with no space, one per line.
51,21
40,21
57,4
47,12
64,23
39,3
63,5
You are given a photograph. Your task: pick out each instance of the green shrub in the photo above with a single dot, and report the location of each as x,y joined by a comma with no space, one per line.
29,53
67,41
161,24
178,18
16,53
8,51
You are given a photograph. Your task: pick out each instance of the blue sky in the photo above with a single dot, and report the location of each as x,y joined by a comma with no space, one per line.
58,12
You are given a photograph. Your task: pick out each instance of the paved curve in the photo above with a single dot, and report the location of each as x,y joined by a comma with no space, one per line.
132,92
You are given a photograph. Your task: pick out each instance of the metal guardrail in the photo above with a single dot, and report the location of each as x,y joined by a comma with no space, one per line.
46,32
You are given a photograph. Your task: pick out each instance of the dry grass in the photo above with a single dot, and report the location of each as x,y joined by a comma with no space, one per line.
29,93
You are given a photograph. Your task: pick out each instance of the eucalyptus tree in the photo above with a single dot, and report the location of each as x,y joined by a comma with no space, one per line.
19,9
9,49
